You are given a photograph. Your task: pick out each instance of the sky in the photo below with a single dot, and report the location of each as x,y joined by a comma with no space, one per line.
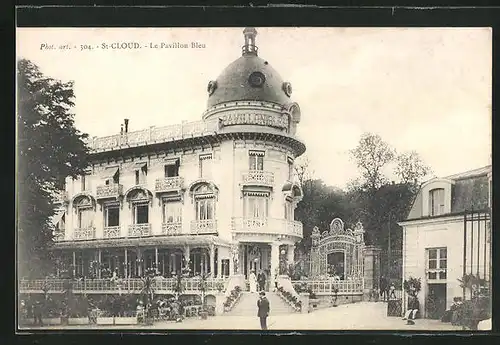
421,89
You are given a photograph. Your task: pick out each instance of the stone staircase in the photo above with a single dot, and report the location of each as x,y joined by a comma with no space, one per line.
247,305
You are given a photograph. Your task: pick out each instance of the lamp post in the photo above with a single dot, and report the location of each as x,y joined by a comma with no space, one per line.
282,261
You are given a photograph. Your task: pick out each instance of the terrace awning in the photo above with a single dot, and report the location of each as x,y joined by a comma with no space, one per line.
168,241
109,173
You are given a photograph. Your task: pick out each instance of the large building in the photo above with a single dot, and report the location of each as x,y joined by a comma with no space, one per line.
447,235
218,194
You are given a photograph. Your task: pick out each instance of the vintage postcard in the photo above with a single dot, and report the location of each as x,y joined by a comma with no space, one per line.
254,178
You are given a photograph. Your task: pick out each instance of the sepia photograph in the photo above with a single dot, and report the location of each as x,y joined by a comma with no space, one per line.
254,178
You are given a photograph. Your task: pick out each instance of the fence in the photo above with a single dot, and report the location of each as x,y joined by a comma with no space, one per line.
159,286
327,287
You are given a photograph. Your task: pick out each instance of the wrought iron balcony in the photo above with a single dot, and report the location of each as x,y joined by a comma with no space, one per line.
258,178
171,229
87,233
139,230
109,191
267,226
112,232
169,184
200,227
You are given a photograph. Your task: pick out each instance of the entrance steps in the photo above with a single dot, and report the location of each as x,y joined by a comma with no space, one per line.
247,305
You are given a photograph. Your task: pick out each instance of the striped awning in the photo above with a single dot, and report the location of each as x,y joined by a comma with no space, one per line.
109,173
141,165
57,218
256,153
171,161
171,241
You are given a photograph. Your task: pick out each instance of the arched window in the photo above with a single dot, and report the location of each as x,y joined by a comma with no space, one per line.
436,202
204,199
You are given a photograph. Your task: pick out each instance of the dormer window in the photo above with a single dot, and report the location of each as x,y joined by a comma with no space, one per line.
436,202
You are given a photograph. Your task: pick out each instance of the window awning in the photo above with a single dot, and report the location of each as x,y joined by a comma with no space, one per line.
256,153
140,165
109,173
171,161
57,218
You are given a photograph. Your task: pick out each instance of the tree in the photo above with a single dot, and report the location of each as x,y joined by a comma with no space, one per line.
371,155
410,168
50,148
303,170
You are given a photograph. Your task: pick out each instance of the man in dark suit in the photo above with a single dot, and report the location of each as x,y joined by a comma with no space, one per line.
261,279
263,312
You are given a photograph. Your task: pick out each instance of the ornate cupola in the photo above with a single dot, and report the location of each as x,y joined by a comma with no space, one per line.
250,95
250,48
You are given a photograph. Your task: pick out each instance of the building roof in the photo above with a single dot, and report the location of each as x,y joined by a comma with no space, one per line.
237,83
470,191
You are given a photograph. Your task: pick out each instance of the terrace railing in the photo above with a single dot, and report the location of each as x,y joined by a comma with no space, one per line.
131,285
327,286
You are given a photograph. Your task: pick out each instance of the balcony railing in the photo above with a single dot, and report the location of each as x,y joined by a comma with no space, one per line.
112,232
171,229
207,226
267,226
258,177
154,135
169,184
87,233
139,230
328,286
131,285
109,191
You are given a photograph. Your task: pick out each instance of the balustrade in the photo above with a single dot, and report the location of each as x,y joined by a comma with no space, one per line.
87,233
207,226
153,134
328,286
112,232
258,177
109,191
139,230
267,225
131,285
58,236
171,229
169,184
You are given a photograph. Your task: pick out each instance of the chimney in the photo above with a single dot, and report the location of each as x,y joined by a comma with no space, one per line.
126,125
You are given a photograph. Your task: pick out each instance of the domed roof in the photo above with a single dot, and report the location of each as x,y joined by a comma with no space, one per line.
249,78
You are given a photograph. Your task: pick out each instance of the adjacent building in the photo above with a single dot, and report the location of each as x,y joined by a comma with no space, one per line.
218,194
447,235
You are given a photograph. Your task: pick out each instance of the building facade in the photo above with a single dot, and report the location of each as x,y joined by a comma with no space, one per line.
217,195
447,235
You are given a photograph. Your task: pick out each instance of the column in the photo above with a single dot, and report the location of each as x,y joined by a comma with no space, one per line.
126,264
219,264
205,263
99,253
211,260
74,264
187,255
156,260
290,254
275,260
139,262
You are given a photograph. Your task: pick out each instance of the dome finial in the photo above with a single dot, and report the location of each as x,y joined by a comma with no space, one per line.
250,48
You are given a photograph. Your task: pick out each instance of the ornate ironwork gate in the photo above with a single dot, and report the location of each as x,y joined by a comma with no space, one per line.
338,252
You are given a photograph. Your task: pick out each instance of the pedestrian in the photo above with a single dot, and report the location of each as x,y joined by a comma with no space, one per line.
392,291
263,310
383,288
261,278
38,313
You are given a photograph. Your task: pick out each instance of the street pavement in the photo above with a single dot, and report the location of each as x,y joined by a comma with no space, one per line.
356,316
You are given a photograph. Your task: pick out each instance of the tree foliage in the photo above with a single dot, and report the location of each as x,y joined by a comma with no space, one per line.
371,155
410,168
50,148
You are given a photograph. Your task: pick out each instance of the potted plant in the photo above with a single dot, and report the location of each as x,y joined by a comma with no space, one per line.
412,287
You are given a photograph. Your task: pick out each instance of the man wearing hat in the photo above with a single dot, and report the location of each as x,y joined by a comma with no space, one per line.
263,312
